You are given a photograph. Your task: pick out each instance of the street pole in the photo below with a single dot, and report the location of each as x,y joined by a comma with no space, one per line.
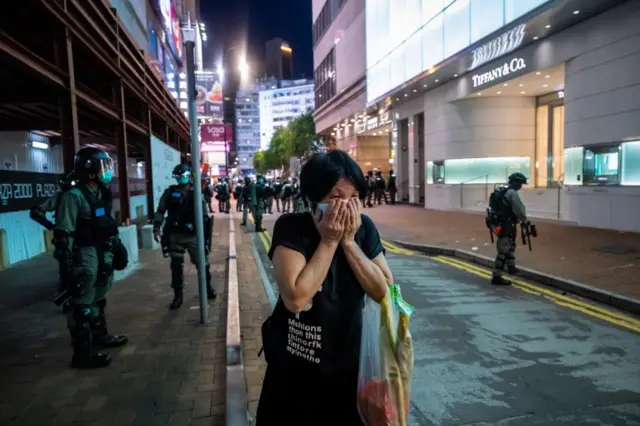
189,37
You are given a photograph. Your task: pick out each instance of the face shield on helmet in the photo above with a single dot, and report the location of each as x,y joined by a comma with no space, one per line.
104,169
182,175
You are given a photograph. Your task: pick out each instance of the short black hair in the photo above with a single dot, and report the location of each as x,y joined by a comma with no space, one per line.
323,170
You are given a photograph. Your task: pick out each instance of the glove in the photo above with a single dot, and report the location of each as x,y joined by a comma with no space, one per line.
157,235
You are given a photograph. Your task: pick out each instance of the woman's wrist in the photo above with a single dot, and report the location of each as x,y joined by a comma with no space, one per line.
329,244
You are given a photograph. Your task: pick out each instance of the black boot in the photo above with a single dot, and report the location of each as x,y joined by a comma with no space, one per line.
83,356
177,299
99,332
177,281
500,281
513,270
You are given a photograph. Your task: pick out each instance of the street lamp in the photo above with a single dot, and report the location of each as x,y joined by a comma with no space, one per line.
244,68
189,37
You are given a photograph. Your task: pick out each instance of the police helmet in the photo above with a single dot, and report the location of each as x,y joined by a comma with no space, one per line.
182,174
518,178
93,163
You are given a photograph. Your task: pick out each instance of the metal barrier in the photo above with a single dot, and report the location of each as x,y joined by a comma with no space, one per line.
486,184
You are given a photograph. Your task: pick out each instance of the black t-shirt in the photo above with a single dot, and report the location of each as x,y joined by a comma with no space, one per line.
326,336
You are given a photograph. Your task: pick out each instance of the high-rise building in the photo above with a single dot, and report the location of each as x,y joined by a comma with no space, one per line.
278,106
248,122
279,59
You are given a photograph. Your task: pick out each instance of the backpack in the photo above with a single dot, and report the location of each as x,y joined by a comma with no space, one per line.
499,211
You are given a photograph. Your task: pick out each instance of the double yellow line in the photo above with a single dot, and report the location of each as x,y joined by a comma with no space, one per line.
613,317
610,316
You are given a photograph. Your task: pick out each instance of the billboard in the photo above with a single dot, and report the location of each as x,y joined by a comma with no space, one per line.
215,133
209,95
405,38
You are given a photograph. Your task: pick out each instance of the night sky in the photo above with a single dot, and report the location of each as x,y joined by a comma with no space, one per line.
236,22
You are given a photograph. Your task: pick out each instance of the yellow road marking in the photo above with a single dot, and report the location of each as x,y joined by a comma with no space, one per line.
265,242
548,293
559,299
607,315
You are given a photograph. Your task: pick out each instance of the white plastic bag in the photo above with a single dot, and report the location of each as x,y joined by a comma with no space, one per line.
386,361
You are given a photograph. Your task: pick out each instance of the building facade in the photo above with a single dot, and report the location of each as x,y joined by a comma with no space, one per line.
339,57
248,122
279,60
281,105
546,88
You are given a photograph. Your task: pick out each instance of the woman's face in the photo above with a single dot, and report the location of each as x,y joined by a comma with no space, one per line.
343,190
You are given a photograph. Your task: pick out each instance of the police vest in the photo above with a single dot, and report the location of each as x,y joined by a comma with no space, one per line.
180,208
101,226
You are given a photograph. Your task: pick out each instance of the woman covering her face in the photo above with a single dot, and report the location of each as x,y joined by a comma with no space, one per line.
325,261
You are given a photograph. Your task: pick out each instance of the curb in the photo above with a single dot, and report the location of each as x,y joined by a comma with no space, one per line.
602,296
236,406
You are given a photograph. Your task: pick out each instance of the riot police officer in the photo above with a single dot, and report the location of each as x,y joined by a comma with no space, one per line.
508,210
86,237
237,194
179,233
269,193
391,186
277,192
259,197
248,197
223,193
371,187
381,189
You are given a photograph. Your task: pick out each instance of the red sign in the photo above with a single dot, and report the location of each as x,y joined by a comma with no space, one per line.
176,32
215,132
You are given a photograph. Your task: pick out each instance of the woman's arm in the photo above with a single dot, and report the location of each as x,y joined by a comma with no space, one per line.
298,281
373,275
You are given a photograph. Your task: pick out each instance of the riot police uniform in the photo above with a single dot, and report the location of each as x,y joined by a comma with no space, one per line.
87,249
248,197
237,194
391,186
277,193
371,187
381,189
259,197
179,232
223,194
507,211
268,197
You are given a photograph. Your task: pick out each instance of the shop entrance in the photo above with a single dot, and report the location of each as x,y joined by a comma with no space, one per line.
550,140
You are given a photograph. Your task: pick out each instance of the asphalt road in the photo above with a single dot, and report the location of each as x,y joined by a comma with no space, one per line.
509,356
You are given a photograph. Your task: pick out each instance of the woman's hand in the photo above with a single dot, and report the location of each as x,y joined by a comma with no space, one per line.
331,224
352,222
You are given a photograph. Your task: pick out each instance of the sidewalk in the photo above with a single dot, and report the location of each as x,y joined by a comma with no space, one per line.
172,371
608,260
254,309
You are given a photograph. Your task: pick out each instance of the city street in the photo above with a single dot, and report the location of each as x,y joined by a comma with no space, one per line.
522,355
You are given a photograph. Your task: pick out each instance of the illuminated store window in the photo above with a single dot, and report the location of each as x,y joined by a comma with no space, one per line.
630,173
429,172
573,163
438,172
602,165
485,170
